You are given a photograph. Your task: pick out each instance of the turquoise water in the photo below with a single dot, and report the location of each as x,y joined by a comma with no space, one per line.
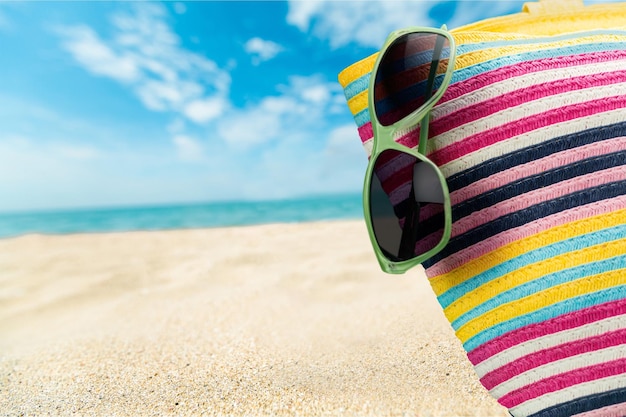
181,216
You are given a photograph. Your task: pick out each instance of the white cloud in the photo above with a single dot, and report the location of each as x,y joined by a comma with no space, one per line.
364,22
188,149
201,111
287,144
344,140
262,50
299,110
89,50
316,94
368,23
146,55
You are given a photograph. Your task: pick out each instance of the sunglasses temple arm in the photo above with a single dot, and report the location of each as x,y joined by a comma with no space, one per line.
434,66
423,141
409,229
429,91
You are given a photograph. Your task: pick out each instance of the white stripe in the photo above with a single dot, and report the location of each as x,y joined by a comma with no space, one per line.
531,138
523,81
544,342
369,146
570,393
525,110
512,84
558,367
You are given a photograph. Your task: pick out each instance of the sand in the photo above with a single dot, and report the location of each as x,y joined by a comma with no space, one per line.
272,320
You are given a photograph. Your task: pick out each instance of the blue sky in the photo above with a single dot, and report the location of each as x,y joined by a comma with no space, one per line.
134,103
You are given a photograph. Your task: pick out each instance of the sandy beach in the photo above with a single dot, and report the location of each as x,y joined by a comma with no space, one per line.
271,320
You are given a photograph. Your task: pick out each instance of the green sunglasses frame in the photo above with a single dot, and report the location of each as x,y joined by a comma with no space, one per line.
383,141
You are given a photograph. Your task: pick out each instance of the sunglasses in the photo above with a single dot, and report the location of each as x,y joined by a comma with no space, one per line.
405,196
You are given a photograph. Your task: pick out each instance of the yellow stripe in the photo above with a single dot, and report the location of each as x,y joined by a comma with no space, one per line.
508,311
358,102
599,16
483,55
444,282
357,70
472,299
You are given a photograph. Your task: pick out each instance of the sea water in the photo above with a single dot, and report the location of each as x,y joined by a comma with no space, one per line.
181,216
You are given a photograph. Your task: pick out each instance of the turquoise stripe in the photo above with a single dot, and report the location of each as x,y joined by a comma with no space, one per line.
464,74
357,86
362,117
547,313
541,284
471,47
362,83
474,70
536,255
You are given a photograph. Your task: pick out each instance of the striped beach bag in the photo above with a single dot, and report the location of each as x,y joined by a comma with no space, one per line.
531,138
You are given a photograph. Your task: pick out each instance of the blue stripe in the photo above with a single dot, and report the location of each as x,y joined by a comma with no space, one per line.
537,181
362,83
362,117
536,255
357,86
547,313
541,284
471,47
583,404
509,60
527,215
534,152
474,70
527,184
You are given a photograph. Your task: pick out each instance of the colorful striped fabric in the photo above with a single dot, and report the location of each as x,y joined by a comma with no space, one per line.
531,136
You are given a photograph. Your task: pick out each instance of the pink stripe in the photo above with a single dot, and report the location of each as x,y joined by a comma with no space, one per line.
523,201
521,68
556,160
557,324
523,95
535,227
542,357
489,137
616,410
411,139
500,74
540,195
366,132
562,381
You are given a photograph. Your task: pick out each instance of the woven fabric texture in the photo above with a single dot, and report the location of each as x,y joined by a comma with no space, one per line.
531,137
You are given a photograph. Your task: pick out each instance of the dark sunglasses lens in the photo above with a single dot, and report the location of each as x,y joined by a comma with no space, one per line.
406,205
407,75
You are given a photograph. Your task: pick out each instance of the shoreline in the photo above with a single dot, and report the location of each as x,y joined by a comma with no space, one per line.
274,319
182,229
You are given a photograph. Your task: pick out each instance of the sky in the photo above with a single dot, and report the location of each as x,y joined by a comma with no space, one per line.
136,103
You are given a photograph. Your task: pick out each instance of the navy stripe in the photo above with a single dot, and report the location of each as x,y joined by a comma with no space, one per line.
524,185
543,179
531,153
527,215
584,404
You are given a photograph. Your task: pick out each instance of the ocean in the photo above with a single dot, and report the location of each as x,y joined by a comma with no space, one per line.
181,216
